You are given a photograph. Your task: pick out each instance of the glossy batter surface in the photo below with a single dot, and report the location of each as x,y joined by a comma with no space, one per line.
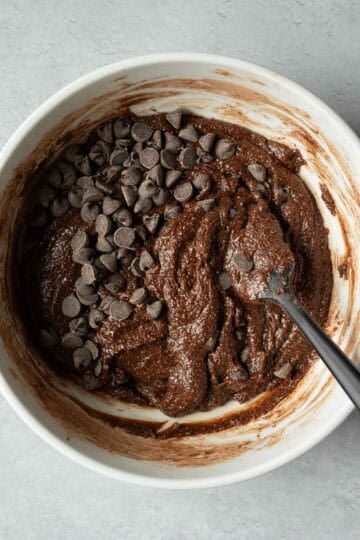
213,340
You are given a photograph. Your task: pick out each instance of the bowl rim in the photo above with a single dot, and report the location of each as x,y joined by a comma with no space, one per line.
36,425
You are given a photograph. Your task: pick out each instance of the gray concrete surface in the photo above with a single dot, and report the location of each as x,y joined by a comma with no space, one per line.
46,44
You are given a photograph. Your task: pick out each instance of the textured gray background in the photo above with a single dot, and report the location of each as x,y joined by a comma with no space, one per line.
46,44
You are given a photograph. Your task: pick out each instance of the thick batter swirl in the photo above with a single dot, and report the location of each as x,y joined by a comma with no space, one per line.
207,337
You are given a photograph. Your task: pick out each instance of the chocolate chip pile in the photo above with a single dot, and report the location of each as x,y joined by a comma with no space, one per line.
148,166
147,245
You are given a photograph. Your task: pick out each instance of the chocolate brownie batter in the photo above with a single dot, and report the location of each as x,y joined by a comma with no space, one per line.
145,250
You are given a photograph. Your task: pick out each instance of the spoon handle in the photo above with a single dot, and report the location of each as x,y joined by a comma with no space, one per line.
338,363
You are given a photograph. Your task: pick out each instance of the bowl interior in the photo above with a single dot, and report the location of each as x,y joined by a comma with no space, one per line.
231,91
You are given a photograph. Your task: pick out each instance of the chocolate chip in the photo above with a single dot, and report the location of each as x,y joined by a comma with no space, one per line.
124,237
122,217
151,222
71,341
149,157
141,132
153,310
115,283
243,263
207,141
225,149
225,280
73,152
189,133
83,255
119,156
131,176
205,157
202,181
109,205
111,174
110,238
120,310
284,371
89,212
147,189
232,213
103,224
84,182
174,119
135,268
105,132
88,274
59,206
82,288
82,358
138,147
105,187
121,128
171,211
79,240
239,334
133,159
258,171
125,256
207,204
103,245
106,303
130,194
141,232
70,306
123,142
100,152
48,338
160,197
183,192
96,317
281,194
90,345
172,142
138,296
172,177
187,158
83,165
87,299
54,178
156,139
167,159
45,195
261,189
156,175
75,197
92,194
97,369
146,261
142,206
79,327
68,173
109,260
99,265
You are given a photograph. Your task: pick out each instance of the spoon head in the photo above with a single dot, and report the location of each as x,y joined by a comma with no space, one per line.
280,282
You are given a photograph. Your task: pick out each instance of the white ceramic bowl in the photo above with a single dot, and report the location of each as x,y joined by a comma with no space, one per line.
231,90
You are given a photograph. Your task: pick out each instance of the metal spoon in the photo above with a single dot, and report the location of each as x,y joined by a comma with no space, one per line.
280,291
